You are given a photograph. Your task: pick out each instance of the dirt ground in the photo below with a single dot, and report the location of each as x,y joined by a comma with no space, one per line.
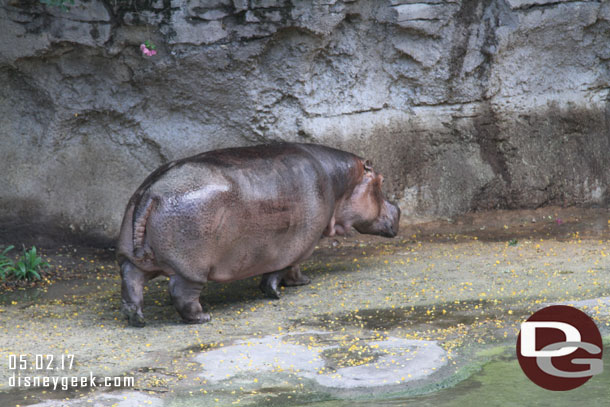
464,283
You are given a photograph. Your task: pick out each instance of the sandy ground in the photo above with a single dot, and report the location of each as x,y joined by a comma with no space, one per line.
462,285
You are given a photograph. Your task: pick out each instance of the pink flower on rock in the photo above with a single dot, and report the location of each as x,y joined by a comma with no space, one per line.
146,51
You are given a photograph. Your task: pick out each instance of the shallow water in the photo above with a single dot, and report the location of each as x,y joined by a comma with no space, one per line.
500,382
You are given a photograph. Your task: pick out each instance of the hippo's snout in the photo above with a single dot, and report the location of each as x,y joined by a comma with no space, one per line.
392,221
396,220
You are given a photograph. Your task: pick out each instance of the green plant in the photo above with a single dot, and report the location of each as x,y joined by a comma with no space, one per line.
150,45
29,265
59,3
5,262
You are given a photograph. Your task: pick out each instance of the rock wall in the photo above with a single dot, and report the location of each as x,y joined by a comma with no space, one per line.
463,104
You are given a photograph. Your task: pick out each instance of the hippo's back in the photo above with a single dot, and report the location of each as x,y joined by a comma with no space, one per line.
262,170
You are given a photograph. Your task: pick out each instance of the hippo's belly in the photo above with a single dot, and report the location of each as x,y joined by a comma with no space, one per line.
265,236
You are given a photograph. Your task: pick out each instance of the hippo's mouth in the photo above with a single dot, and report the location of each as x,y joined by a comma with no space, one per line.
388,234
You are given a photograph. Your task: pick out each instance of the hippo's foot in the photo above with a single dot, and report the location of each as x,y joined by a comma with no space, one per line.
134,316
270,282
192,313
294,277
200,319
185,296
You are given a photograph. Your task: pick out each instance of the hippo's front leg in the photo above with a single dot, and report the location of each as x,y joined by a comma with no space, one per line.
290,276
293,276
270,282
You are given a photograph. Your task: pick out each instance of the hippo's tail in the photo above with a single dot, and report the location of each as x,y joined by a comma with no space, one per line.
140,217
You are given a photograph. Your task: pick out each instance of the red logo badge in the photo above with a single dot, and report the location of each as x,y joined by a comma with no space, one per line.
560,348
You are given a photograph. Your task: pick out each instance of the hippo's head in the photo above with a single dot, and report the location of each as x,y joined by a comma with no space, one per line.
366,209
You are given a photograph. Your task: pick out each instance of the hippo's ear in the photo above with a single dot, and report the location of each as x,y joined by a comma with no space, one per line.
368,166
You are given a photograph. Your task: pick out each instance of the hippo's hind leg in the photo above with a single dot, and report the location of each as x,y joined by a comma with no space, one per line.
185,296
290,276
132,292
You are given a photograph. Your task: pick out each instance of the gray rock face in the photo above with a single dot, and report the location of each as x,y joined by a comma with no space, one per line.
463,104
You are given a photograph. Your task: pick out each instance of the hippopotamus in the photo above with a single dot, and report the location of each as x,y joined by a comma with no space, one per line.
235,213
